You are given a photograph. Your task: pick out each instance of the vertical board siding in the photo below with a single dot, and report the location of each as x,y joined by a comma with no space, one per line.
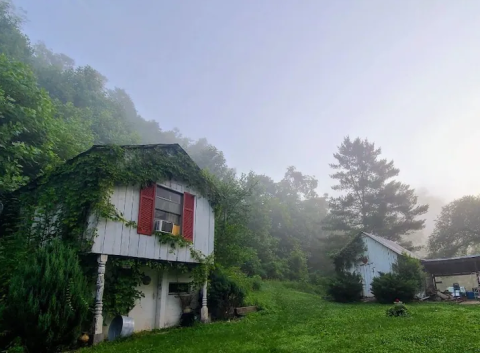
114,238
121,202
380,259
97,245
132,231
113,227
129,206
211,231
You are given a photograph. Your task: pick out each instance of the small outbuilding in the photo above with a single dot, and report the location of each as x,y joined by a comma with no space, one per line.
379,255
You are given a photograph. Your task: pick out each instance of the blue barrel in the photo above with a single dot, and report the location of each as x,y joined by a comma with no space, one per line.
470,295
121,326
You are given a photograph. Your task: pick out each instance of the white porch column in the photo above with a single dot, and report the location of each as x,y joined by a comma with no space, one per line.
204,311
98,312
162,318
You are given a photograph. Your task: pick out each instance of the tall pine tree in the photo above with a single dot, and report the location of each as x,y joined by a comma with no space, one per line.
371,199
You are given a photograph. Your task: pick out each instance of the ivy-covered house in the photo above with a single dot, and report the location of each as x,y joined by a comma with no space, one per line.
369,255
142,218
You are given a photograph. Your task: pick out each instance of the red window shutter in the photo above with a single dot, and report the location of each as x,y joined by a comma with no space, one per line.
146,210
188,216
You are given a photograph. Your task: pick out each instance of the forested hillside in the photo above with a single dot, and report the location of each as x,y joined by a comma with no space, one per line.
52,109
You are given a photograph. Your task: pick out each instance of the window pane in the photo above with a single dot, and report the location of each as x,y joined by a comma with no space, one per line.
175,287
163,193
166,216
168,206
160,215
169,195
177,198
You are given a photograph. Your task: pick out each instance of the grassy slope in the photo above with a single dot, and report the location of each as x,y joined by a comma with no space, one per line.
300,322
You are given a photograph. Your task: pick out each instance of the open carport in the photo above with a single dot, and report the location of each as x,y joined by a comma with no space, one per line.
454,266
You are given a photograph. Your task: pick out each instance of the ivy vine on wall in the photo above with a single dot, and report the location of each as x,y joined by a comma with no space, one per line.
350,255
69,201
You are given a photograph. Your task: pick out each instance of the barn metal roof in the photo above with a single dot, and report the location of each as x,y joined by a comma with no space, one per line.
391,245
385,242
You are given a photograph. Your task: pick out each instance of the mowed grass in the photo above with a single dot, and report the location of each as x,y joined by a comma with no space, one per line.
294,321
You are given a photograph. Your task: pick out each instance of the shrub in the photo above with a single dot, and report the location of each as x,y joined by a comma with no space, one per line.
256,283
318,279
224,295
15,347
47,299
345,287
403,283
410,268
297,265
390,286
252,266
398,309
276,269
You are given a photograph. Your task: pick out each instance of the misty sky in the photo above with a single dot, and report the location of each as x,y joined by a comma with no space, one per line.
281,82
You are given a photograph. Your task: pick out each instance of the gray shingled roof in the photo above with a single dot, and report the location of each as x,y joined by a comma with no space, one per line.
391,245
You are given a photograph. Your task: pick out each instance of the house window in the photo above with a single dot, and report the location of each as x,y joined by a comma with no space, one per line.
168,207
176,288
175,209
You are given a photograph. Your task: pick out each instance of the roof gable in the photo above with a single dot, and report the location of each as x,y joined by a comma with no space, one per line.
132,164
390,245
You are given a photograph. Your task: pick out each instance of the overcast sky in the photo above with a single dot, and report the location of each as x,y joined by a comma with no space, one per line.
274,83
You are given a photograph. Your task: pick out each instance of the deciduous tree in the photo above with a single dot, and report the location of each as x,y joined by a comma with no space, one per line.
457,229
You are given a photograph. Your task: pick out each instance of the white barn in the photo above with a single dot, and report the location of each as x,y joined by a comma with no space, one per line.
380,254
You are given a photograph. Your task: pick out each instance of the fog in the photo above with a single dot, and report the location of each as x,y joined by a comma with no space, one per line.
435,204
302,139
274,84
278,83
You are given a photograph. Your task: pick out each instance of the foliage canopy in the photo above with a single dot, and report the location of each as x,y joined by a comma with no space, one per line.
457,229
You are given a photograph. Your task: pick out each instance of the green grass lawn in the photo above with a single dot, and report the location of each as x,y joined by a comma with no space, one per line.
299,322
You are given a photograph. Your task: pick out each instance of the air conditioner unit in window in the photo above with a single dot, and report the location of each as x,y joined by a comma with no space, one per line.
163,226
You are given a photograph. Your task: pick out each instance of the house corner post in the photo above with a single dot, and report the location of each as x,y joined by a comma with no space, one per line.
98,311
204,311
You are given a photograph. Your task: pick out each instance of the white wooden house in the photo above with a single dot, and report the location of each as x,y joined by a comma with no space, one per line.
172,206
380,255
